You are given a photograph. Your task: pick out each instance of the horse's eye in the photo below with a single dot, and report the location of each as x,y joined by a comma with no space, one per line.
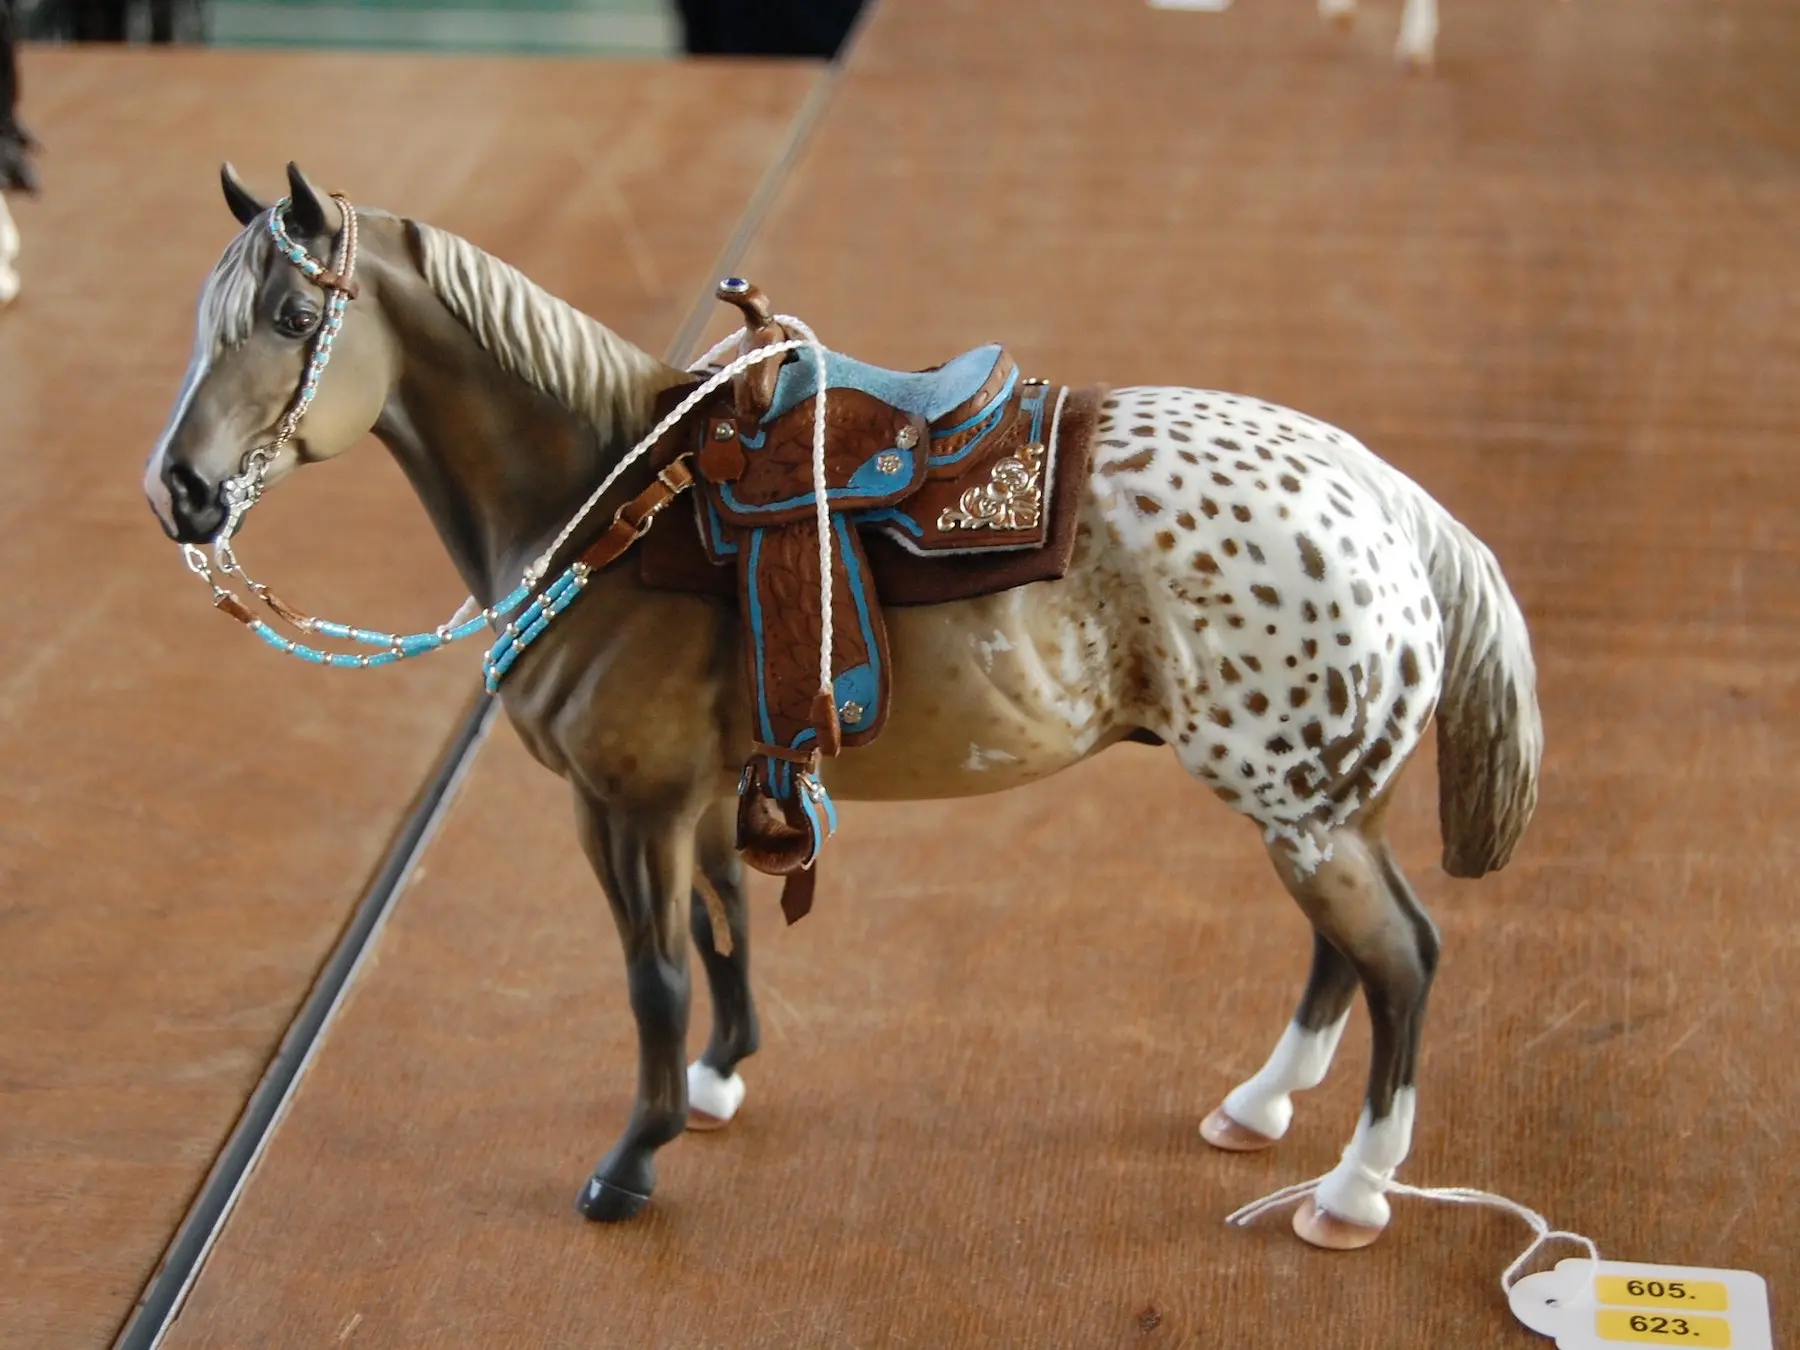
296,321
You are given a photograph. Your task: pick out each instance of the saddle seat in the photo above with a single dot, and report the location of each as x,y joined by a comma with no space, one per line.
940,485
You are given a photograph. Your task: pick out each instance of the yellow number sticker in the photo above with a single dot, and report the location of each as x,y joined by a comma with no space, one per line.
1614,1324
1638,1292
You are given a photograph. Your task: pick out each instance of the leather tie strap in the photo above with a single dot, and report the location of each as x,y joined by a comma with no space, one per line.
632,521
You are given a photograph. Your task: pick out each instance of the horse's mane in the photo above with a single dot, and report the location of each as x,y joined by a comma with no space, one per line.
545,341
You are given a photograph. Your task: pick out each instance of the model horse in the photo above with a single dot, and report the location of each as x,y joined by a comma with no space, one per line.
1247,584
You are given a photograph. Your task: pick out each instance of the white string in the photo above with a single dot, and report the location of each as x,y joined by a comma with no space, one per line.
1455,1195
821,508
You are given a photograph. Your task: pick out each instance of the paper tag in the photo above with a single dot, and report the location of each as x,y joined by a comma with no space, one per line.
1627,1304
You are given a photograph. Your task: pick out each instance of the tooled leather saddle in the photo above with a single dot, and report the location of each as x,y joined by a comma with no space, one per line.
941,485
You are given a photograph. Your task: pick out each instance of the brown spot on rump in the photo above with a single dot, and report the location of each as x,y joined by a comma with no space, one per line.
1130,464
1181,436
1225,444
1235,620
1334,610
1267,595
1220,716
1231,548
1409,667
1264,453
1165,540
1256,554
1253,663
1185,520
1374,562
1300,780
1221,479
1337,692
1347,546
1242,513
1227,794
1257,702
1281,511
1360,592
1309,611
1175,481
1230,672
1247,769
1206,563
1208,507
1143,431
1312,561
1312,735
1112,444
1289,483
1425,607
1310,646
1219,752
1147,505
1279,745
1187,456
1298,695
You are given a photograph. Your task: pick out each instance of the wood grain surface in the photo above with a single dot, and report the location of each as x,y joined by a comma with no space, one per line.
186,819
1557,285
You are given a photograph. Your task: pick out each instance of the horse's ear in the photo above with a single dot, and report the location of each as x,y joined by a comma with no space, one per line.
244,206
309,215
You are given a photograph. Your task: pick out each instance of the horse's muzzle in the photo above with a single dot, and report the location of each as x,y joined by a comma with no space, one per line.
196,507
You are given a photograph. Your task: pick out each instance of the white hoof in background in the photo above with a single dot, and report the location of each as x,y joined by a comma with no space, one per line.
712,1100
9,285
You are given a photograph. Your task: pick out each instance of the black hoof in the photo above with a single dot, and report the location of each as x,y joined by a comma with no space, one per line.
604,1202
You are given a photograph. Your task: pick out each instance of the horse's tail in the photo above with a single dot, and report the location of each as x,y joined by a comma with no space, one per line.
1490,735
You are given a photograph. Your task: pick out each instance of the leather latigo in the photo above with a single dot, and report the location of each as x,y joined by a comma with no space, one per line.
785,584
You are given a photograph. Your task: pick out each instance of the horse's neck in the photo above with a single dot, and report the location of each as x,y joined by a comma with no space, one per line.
499,466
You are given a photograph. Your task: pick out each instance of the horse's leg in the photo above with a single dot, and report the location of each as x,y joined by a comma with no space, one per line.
1417,45
9,250
1358,901
715,1091
1259,1110
645,863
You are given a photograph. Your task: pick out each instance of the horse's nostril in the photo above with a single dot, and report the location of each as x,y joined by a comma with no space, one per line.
187,487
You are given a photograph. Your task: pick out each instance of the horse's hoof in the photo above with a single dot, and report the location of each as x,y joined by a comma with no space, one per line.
1221,1131
604,1202
1324,1229
1417,62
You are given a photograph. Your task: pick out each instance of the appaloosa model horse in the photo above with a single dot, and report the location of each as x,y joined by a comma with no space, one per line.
1244,583
15,165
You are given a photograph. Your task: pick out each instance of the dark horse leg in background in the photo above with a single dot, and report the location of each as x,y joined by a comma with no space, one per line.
735,1035
645,862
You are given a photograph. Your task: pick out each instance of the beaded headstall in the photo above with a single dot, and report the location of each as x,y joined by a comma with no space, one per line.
629,524
245,489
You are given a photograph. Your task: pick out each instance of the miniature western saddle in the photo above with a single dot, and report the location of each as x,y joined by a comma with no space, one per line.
941,485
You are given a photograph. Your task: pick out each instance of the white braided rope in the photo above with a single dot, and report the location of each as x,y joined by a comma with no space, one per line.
821,508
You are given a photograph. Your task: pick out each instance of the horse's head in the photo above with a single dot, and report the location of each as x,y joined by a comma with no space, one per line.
264,320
